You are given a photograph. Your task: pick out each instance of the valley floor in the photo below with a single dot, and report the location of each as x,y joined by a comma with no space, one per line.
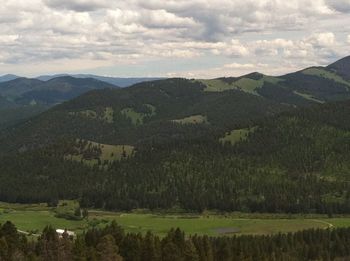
31,219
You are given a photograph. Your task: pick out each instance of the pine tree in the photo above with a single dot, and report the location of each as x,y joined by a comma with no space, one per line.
190,251
48,244
107,249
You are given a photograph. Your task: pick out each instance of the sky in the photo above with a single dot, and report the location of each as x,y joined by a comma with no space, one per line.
186,38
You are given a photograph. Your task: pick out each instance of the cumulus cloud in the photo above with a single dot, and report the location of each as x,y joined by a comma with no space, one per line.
241,66
164,19
322,39
240,34
234,48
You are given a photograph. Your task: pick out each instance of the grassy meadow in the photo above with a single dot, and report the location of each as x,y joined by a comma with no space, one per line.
237,135
138,117
33,218
244,84
194,119
109,153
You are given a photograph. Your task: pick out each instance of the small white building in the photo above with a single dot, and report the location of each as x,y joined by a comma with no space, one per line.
60,232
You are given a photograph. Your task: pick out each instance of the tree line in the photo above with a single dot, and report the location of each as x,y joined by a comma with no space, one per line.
112,243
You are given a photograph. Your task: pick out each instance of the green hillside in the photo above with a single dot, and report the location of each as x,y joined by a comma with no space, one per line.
249,154
26,91
249,83
303,88
23,98
267,145
341,67
93,153
12,113
5,103
144,113
312,85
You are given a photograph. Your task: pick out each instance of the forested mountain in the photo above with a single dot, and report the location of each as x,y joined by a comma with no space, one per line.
303,88
15,114
341,67
4,103
25,91
12,113
311,85
172,143
22,98
17,87
192,144
166,110
8,77
118,81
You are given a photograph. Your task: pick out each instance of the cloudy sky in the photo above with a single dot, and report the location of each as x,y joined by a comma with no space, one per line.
189,38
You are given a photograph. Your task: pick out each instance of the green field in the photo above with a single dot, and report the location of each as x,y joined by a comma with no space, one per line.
236,136
216,85
308,97
109,153
194,119
106,116
214,225
138,117
244,84
33,218
249,85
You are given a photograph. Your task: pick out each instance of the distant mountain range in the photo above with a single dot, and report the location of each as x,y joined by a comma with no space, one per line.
235,99
32,91
305,87
21,98
118,81
8,77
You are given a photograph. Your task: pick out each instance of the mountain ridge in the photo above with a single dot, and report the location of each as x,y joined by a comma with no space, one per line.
118,81
24,90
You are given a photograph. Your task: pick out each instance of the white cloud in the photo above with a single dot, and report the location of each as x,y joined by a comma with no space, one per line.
234,48
249,66
164,19
322,39
107,33
8,39
348,39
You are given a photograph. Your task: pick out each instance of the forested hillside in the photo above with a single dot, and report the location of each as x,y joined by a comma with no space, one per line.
189,144
4,103
145,113
172,144
341,67
117,81
305,87
23,98
26,91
